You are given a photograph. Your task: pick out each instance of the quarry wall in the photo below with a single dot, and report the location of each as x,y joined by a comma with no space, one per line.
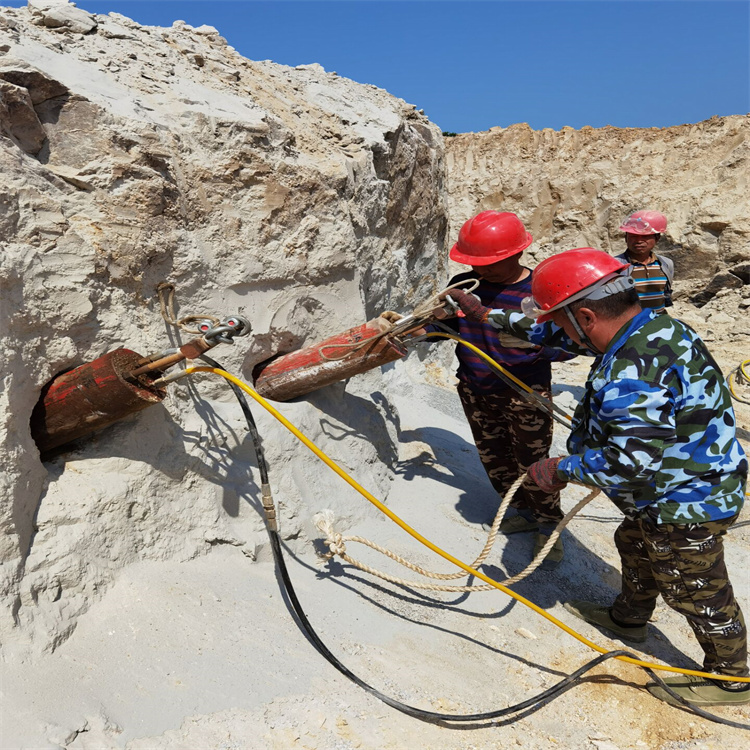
573,188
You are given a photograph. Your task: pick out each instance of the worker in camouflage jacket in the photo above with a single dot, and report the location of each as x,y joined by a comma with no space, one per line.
655,431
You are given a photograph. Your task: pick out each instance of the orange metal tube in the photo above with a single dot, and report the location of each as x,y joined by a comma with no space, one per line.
340,357
89,398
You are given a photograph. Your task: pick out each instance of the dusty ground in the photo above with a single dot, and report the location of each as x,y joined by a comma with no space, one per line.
205,654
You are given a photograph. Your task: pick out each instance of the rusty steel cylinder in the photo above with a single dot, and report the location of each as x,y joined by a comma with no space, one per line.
89,398
349,353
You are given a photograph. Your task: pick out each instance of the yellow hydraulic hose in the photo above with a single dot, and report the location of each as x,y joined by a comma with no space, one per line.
735,375
493,364
409,530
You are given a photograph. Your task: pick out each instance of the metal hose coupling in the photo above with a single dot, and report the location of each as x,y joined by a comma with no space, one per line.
268,507
223,332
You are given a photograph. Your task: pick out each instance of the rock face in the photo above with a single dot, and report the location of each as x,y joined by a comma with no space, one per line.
307,203
132,155
573,188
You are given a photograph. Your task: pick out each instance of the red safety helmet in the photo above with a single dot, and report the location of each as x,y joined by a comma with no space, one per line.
575,274
489,237
644,222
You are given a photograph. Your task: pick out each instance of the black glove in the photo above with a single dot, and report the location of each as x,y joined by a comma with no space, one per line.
470,305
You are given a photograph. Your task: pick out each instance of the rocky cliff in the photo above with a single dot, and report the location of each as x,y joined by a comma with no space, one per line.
131,155
132,614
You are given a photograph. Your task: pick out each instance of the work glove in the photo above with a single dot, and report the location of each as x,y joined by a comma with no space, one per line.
544,474
470,305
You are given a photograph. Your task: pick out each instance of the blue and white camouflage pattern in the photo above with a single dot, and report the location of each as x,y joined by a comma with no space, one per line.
655,429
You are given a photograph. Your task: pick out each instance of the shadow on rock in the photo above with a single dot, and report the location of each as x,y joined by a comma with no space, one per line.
219,453
404,604
374,420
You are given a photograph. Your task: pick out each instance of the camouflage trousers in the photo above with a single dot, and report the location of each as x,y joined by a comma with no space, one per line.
685,564
510,435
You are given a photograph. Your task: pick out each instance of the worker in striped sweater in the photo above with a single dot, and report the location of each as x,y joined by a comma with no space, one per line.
510,433
653,274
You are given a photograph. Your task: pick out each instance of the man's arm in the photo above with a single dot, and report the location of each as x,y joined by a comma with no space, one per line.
516,324
634,421
667,265
546,335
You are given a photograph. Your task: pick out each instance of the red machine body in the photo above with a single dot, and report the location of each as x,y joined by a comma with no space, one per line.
349,353
90,397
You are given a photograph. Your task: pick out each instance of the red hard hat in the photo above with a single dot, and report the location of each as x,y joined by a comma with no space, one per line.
489,237
645,222
560,279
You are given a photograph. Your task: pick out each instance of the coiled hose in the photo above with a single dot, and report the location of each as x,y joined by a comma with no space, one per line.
739,375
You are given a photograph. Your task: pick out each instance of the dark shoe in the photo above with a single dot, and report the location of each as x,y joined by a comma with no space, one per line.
699,691
554,556
598,615
516,524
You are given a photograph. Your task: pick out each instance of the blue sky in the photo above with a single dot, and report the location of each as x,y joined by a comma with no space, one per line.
473,65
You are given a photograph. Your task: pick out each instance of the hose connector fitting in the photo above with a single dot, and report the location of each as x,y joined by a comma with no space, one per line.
268,507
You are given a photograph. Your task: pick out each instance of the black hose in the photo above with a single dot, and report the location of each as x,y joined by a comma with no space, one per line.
252,428
691,706
529,706
534,703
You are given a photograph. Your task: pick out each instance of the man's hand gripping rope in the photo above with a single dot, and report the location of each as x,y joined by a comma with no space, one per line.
469,304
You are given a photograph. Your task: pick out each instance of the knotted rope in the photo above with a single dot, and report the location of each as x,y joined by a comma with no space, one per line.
165,291
336,543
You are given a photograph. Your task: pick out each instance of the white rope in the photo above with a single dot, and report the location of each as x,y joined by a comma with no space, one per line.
336,543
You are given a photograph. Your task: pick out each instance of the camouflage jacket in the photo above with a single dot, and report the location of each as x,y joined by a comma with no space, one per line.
655,429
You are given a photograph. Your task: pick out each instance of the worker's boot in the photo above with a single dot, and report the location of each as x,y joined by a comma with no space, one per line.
516,524
513,524
598,615
521,520
554,556
701,691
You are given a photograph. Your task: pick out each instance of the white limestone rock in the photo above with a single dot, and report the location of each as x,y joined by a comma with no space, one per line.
61,15
302,200
18,120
